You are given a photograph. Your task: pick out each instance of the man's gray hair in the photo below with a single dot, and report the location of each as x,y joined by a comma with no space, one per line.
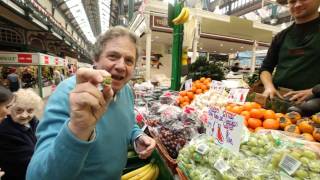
112,33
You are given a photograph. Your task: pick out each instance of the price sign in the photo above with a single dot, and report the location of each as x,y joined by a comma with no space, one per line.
217,86
225,127
238,95
188,84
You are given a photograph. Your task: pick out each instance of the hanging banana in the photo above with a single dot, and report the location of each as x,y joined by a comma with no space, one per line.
182,17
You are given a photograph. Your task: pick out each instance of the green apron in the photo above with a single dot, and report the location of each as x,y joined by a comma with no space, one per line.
299,61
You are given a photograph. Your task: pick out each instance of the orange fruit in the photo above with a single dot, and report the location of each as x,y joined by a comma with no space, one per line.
256,113
284,122
190,95
247,106
293,116
209,79
255,105
237,109
183,93
198,85
245,122
198,91
254,123
269,114
306,127
186,99
229,108
292,128
203,87
193,89
184,104
197,82
258,129
278,115
316,134
202,79
307,136
245,114
180,99
271,124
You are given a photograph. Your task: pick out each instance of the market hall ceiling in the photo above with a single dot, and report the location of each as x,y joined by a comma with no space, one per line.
91,8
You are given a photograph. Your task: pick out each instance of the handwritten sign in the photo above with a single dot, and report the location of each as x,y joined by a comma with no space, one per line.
225,127
217,86
188,84
238,95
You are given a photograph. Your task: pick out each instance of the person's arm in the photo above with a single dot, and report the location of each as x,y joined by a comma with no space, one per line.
267,67
58,154
316,90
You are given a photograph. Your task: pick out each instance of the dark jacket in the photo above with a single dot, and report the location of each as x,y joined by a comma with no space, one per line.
17,144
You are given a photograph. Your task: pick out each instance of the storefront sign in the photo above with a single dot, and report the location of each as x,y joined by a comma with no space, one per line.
225,127
17,58
238,95
24,58
160,21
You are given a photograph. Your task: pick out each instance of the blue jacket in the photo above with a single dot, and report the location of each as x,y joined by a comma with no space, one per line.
59,155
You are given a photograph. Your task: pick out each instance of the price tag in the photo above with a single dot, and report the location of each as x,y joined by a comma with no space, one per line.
202,149
289,164
238,95
221,166
217,86
188,84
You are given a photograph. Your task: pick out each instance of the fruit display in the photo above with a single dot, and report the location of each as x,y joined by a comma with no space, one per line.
173,141
198,87
257,118
147,172
210,98
262,156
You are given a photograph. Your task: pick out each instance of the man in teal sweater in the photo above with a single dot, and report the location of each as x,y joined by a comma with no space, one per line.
85,132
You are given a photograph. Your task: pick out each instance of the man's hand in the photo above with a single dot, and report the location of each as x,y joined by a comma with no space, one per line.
299,96
87,103
271,92
145,146
1,173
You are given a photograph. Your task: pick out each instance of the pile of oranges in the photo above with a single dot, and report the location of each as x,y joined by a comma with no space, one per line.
198,87
256,118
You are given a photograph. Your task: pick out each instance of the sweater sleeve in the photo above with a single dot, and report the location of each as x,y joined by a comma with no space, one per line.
271,59
58,154
136,131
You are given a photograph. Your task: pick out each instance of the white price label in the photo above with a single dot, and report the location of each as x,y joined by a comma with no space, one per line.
202,149
289,164
221,166
188,84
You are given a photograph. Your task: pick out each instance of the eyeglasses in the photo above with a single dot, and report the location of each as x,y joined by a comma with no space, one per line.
292,2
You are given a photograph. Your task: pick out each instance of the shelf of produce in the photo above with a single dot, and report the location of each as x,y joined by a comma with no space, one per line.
172,163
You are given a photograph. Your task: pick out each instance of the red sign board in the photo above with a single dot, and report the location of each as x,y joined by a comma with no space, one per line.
46,60
56,60
25,58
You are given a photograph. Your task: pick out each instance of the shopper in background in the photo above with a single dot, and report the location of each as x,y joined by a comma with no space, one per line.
13,80
6,98
295,54
57,77
85,132
17,135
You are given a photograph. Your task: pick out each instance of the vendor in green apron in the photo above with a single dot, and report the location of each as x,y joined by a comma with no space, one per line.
295,54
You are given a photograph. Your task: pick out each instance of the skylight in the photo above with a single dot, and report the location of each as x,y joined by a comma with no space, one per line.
104,10
78,12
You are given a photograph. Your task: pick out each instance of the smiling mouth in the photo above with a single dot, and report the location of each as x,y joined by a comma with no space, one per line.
116,77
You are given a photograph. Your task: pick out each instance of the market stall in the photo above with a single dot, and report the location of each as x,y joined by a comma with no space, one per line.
212,131
40,66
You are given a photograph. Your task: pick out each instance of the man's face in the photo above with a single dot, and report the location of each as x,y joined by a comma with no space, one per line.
303,8
22,113
118,58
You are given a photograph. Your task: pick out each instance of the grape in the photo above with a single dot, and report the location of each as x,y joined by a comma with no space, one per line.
309,154
301,173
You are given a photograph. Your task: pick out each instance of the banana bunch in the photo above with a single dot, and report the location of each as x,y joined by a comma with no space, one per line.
182,17
147,172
